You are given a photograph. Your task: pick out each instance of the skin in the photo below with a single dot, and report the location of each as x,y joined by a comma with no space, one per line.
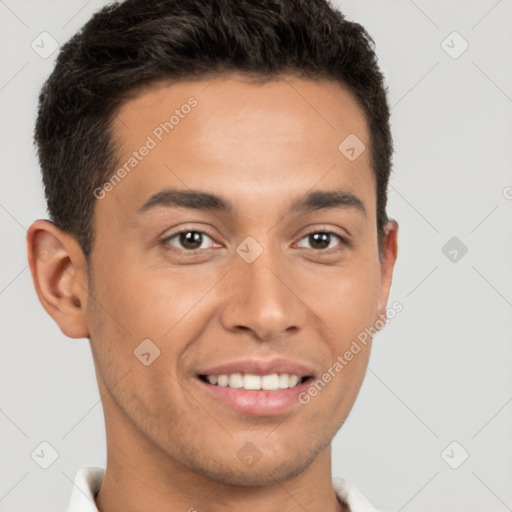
262,147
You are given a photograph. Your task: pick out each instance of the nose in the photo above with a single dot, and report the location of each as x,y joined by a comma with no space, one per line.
262,299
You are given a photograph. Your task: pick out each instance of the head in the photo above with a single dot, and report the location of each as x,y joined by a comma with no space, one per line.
216,176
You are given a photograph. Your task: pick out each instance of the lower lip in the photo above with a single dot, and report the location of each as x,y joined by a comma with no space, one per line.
257,403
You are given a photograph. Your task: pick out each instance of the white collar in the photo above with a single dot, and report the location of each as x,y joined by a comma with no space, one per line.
88,481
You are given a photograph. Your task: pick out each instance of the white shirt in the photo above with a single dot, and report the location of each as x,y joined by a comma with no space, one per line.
88,481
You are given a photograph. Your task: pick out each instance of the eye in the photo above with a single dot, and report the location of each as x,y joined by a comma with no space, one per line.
322,240
189,240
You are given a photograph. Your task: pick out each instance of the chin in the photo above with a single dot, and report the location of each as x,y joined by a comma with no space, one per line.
256,476
269,469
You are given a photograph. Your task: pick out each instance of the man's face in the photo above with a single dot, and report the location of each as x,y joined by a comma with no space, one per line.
255,285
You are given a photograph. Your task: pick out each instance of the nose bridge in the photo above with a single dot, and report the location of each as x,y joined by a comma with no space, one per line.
264,278
260,298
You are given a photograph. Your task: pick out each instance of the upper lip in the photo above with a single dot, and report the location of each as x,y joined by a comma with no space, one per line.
260,367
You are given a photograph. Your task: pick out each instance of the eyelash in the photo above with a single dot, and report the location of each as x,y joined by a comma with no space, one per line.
343,241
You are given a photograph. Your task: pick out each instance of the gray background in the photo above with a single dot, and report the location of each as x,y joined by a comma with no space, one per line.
439,372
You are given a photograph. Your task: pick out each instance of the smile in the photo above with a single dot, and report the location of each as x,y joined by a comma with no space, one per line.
250,382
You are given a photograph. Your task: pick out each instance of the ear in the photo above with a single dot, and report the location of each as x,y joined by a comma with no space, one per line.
389,254
59,272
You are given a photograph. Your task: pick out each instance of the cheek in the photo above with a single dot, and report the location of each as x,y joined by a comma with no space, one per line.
156,313
146,301
347,300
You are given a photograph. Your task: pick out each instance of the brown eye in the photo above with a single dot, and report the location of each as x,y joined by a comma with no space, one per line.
321,240
188,240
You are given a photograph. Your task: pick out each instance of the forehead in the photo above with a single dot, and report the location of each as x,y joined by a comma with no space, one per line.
244,107
226,132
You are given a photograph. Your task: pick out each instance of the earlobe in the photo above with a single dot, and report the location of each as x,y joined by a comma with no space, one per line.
389,255
59,274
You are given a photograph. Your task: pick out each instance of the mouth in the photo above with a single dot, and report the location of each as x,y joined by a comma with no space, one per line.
256,387
251,382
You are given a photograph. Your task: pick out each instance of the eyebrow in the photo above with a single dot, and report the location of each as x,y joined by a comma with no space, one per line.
199,200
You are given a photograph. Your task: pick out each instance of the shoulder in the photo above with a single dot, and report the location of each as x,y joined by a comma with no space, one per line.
86,484
350,494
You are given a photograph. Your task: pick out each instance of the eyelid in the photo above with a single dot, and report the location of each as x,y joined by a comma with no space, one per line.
323,228
344,239
185,229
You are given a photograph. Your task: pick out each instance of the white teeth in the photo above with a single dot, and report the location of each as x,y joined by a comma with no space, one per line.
252,382
284,381
212,379
236,380
222,381
294,380
271,382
